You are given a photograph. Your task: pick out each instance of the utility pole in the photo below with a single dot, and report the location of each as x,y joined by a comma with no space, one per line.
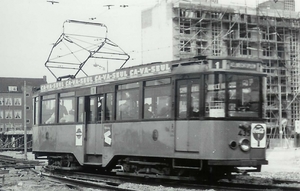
25,127
106,66
279,106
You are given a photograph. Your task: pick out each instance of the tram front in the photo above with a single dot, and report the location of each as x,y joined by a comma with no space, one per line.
219,114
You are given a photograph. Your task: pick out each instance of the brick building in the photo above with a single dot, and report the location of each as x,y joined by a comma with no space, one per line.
12,103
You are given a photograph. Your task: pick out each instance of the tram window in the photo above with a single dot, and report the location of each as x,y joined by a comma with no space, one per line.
48,109
36,110
188,95
182,101
92,109
157,102
66,108
164,106
80,103
158,82
99,107
109,106
244,96
127,104
215,95
128,86
195,101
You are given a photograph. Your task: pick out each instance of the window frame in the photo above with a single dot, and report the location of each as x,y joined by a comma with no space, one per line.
109,116
53,109
227,94
70,96
189,113
153,85
80,118
129,103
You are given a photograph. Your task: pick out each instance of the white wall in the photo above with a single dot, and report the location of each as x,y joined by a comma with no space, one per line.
157,33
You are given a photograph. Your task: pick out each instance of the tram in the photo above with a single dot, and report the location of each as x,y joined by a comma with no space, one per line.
199,116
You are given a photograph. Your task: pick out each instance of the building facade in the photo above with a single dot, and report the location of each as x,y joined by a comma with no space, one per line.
14,102
278,5
180,29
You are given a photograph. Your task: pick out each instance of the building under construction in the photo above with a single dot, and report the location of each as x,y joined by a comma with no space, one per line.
270,31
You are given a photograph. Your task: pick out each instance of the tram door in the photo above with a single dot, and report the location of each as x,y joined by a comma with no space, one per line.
187,112
93,108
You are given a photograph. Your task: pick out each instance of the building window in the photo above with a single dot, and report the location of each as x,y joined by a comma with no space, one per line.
216,43
185,28
12,88
216,51
244,49
18,126
267,51
264,36
8,126
185,46
17,101
8,101
216,15
1,101
8,114
187,13
18,114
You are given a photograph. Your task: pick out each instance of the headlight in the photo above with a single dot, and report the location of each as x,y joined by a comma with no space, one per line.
233,144
244,144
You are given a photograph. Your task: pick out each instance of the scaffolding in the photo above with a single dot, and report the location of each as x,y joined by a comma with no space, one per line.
271,35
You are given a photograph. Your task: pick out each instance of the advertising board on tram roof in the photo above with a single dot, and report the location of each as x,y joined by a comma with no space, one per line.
127,73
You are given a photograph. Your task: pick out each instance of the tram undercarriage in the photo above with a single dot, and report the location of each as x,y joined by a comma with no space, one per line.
173,168
148,167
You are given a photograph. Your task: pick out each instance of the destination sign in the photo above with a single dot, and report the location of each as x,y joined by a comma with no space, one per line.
127,73
243,65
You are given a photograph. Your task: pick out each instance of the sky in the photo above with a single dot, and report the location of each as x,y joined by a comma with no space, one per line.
30,27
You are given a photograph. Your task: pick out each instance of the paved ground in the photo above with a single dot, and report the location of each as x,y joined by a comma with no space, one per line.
284,163
282,160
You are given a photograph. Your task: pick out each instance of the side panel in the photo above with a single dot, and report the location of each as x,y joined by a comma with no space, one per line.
94,139
151,139
187,137
59,139
213,138
208,140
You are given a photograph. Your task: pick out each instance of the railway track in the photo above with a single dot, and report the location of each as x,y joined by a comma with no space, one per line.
77,180
120,182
